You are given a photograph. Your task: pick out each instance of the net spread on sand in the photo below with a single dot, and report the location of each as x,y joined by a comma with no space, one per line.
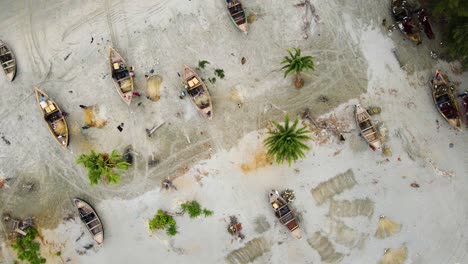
395,256
387,228
358,207
93,117
346,236
325,249
248,253
333,186
60,128
153,87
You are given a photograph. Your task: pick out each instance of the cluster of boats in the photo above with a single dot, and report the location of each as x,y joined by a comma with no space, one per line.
411,21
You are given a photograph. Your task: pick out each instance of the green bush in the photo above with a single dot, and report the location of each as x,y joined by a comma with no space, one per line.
27,249
163,221
193,208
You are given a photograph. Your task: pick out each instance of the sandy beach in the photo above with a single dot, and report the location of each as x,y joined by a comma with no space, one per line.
62,49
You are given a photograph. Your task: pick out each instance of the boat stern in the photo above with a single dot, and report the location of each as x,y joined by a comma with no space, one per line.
99,238
297,233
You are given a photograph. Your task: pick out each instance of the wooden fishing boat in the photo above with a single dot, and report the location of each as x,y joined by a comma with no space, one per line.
405,22
367,128
53,117
122,75
8,61
284,213
198,92
237,14
90,218
423,18
445,100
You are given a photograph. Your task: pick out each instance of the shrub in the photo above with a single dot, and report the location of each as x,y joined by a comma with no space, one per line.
27,249
193,208
163,221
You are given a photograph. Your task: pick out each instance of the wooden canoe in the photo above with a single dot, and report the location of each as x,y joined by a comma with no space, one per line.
91,219
8,61
405,22
53,117
122,75
198,92
367,128
284,213
237,14
445,100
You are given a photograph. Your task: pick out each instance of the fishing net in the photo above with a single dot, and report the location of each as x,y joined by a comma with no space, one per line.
394,256
94,117
325,249
358,207
60,128
126,85
333,186
346,236
248,253
153,87
387,228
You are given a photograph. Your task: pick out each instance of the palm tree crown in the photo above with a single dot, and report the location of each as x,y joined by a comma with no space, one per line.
101,166
286,143
296,63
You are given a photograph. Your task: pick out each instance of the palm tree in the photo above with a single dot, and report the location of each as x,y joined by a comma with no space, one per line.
101,166
297,64
286,143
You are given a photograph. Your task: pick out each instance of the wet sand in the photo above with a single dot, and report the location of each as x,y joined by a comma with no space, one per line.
62,47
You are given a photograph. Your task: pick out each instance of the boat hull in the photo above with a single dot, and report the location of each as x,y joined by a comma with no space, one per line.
201,97
7,61
445,100
86,210
121,75
52,115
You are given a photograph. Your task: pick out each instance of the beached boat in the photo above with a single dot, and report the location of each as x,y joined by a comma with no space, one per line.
367,128
8,61
284,213
122,75
405,22
90,218
53,117
445,100
237,14
198,92
423,18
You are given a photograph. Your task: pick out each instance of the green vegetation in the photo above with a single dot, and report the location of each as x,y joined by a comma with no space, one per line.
212,80
101,166
193,208
219,73
27,249
163,221
286,143
202,64
297,64
453,18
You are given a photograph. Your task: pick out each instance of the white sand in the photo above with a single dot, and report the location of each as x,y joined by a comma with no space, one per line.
433,217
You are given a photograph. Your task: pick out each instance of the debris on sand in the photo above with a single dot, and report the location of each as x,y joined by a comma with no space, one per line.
309,12
333,186
243,60
357,207
128,154
346,236
374,110
94,117
394,256
153,87
235,228
153,161
414,185
386,227
261,224
261,160
386,151
325,249
248,253
324,128
409,144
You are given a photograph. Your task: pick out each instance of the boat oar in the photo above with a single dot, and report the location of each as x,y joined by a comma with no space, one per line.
150,132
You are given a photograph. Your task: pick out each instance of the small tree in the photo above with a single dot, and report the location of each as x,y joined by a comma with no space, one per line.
163,221
101,166
27,248
194,209
286,143
297,64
